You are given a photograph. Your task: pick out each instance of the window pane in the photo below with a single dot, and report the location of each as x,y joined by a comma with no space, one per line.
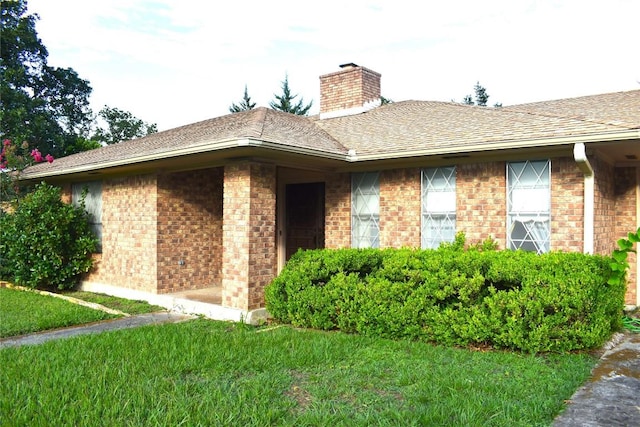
438,206
529,205
440,201
365,233
365,208
366,204
530,200
92,204
438,229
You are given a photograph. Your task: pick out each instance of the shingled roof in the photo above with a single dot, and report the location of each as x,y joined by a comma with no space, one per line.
398,129
281,131
420,126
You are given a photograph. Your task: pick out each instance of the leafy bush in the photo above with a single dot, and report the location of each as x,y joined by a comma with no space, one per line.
45,242
454,296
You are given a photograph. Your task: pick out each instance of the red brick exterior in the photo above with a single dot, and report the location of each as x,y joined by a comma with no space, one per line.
604,229
615,214
567,206
351,87
338,211
249,259
626,221
217,227
189,230
129,234
400,208
481,202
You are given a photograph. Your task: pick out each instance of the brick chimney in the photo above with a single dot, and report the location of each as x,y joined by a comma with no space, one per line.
352,90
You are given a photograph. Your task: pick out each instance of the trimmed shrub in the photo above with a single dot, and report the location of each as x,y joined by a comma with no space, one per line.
45,242
506,299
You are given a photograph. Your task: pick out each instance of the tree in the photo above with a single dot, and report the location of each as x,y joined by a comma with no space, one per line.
284,102
46,106
14,158
244,105
468,100
120,126
481,96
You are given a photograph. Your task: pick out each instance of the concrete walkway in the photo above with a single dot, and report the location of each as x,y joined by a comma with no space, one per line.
612,396
93,328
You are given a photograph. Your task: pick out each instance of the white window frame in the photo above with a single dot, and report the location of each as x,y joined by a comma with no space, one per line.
92,204
438,206
365,210
529,205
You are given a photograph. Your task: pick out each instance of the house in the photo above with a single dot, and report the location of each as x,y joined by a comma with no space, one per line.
222,204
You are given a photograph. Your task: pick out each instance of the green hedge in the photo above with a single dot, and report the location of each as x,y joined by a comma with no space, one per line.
506,299
45,243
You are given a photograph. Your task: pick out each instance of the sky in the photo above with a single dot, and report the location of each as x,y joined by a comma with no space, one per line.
176,62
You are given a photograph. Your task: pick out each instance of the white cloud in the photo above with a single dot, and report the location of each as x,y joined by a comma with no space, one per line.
178,62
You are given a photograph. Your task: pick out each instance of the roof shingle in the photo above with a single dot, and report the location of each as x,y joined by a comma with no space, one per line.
394,128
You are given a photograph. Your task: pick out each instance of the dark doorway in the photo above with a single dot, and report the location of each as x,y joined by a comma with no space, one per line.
304,217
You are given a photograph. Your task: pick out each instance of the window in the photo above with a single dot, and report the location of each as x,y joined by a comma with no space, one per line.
365,210
529,205
92,204
438,206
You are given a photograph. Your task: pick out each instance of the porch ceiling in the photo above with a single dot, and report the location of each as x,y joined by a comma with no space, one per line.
625,153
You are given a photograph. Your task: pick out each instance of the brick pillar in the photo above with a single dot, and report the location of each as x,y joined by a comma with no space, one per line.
249,259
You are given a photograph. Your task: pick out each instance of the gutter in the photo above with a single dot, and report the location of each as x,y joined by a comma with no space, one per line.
580,157
445,149
350,157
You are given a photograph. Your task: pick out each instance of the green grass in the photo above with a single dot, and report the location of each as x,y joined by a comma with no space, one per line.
23,312
121,304
210,373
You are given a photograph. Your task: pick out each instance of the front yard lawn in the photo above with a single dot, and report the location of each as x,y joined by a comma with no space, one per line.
212,373
23,312
121,304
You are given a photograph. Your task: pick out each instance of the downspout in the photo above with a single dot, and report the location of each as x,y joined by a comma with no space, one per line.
580,157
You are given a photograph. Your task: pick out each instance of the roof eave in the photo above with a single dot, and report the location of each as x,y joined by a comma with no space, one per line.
198,149
625,135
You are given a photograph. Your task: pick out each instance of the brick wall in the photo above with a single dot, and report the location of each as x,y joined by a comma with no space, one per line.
626,221
400,208
567,206
604,227
615,214
249,260
189,230
338,211
129,230
350,87
481,201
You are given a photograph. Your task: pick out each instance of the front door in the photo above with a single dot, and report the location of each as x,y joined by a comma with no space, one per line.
304,217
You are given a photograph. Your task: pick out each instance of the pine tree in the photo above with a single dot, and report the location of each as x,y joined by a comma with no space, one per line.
244,105
284,102
481,97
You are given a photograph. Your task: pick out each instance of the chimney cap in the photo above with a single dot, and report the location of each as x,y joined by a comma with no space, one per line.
349,65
